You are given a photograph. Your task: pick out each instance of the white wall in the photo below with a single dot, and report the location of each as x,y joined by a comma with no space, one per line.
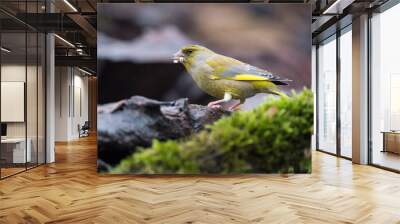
71,102
12,73
80,109
33,126
62,81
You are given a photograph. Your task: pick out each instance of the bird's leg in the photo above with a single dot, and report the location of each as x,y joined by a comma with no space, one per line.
235,106
215,104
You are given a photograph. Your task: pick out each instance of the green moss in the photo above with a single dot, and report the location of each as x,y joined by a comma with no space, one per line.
274,137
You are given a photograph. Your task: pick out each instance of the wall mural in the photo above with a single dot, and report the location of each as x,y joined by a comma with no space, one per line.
204,88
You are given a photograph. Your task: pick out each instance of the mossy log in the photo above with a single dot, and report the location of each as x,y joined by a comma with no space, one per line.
136,122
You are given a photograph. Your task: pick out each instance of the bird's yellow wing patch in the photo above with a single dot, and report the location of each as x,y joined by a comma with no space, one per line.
214,77
249,77
241,77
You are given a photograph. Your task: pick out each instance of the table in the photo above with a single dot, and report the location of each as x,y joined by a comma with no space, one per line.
391,141
15,148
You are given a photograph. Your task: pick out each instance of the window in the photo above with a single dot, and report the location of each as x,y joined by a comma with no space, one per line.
385,89
346,93
22,77
327,96
334,106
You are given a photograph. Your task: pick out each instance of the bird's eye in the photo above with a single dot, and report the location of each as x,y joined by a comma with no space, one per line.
188,51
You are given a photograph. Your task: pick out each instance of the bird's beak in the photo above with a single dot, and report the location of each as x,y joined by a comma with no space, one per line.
178,57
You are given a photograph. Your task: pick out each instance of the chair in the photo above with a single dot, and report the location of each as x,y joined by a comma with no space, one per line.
84,130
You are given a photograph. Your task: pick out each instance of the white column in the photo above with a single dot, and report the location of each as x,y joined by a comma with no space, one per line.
50,92
360,90
50,99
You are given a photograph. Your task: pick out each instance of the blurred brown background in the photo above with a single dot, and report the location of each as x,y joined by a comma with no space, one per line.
136,43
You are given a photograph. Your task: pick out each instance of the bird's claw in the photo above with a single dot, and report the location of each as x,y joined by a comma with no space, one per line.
234,108
210,104
214,106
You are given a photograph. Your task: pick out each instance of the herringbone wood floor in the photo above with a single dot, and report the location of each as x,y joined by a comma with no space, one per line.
70,191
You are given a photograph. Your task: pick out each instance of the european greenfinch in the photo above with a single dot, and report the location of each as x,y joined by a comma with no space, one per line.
226,78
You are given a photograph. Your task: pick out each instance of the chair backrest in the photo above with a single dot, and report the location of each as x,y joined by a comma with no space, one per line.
86,125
